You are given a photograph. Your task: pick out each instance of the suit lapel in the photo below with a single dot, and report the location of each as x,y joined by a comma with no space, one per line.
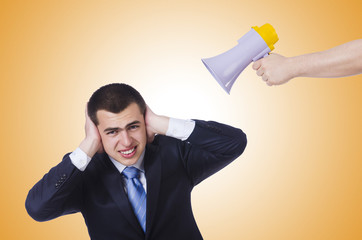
153,177
112,180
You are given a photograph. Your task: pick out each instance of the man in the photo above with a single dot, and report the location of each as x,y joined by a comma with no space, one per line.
166,156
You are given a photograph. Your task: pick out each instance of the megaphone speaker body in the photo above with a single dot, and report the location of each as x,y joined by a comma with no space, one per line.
227,66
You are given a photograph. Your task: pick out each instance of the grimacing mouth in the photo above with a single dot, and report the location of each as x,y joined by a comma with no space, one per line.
128,151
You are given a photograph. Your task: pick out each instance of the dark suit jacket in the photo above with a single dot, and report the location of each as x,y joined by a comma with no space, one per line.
172,169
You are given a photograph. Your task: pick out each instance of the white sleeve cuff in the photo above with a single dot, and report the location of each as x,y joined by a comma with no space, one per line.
79,159
180,129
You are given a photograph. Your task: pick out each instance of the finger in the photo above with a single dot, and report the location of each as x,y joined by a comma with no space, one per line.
260,72
265,77
256,65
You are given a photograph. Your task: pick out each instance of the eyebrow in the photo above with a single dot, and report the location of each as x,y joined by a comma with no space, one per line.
118,128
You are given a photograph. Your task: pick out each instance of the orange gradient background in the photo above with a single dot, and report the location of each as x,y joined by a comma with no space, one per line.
300,175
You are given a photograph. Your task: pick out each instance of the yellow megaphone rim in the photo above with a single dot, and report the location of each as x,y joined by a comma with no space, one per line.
267,32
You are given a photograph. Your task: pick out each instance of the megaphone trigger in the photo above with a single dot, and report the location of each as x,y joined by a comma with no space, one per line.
262,54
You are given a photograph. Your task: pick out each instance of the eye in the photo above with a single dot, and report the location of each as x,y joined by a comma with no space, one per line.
111,132
133,127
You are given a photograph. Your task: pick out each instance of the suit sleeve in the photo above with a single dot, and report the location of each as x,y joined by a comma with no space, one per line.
211,147
57,193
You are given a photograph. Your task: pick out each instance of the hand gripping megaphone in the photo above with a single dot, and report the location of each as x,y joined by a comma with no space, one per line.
255,44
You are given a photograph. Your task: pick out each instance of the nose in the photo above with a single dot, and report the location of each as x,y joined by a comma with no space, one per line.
125,139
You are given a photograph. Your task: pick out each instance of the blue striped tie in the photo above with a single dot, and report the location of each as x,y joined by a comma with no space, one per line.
136,194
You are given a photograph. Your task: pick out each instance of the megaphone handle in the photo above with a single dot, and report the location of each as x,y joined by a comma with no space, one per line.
262,54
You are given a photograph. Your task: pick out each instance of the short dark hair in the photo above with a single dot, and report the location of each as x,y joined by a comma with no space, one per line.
114,98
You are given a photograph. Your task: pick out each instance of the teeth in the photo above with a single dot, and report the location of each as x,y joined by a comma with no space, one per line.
128,152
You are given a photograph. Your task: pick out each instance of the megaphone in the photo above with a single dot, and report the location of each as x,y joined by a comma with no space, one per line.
255,44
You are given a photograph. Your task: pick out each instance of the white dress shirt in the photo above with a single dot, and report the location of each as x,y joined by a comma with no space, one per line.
177,128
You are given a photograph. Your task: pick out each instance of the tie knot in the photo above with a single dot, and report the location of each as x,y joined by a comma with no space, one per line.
131,172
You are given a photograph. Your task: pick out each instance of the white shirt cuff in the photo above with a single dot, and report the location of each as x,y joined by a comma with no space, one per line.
79,159
180,129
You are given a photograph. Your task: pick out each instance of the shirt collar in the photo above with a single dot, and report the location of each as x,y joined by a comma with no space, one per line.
139,164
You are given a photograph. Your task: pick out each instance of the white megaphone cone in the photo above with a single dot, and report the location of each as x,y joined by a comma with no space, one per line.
255,44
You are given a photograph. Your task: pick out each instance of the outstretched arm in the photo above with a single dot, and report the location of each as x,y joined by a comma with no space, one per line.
340,61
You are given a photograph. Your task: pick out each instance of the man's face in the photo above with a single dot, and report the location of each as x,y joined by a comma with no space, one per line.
123,134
